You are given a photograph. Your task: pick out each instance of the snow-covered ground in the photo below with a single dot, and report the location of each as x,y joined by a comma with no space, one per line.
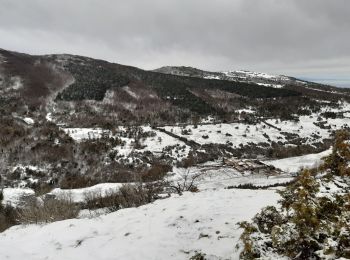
251,74
236,133
173,228
306,127
14,196
246,110
233,134
240,133
28,121
270,85
294,164
156,143
78,195
160,141
79,134
215,176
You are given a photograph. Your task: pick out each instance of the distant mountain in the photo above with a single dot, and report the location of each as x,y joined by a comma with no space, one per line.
262,79
78,90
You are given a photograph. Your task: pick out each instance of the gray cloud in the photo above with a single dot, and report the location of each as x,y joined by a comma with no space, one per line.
295,37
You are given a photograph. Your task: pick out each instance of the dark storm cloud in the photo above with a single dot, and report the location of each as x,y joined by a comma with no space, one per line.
299,37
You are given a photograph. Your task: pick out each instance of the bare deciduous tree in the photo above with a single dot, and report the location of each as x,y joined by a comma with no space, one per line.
188,182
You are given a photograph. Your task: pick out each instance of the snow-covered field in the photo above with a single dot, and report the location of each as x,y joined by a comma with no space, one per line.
173,228
79,134
236,133
244,74
294,164
14,196
157,143
240,133
216,176
211,175
160,141
270,85
180,226
233,134
78,195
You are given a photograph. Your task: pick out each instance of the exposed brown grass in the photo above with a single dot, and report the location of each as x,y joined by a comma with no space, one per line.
48,210
126,197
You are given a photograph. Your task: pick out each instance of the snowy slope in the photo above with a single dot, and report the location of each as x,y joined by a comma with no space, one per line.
244,74
294,164
172,228
259,78
13,196
212,176
241,133
78,195
157,143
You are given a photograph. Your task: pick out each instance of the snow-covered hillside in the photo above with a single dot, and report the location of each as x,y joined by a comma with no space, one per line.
259,78
81,138
235,134
173,228
294,164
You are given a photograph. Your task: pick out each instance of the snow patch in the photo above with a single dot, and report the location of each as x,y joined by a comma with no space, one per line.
78,195
28,121
80,134
13,196
130,92
294,164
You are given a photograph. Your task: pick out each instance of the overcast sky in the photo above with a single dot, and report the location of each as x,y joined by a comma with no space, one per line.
309,38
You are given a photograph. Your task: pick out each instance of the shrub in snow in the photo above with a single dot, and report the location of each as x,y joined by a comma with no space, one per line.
189,161
186,131
76,181
8,215
156,172
198,256
187,182
250,251
337,163
47,210
313,221
126,197
267,219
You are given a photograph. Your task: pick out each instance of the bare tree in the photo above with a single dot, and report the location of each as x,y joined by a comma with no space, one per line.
188,182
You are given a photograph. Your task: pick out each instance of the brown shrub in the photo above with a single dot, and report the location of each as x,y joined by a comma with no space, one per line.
8,217
76,181
126,197
41,188
47,210
156,172
188,182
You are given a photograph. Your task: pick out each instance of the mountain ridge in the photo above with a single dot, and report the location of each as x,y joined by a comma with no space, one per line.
41,84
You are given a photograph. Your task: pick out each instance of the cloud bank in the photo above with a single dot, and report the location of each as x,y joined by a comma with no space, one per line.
295,37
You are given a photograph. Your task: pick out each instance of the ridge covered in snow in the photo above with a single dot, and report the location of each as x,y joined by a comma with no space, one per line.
259,78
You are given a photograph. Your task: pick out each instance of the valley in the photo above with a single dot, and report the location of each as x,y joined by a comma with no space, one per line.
117,155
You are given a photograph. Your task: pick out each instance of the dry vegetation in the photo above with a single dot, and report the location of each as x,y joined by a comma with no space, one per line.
49,209
129,195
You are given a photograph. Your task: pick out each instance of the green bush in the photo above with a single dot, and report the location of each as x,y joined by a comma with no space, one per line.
312,223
